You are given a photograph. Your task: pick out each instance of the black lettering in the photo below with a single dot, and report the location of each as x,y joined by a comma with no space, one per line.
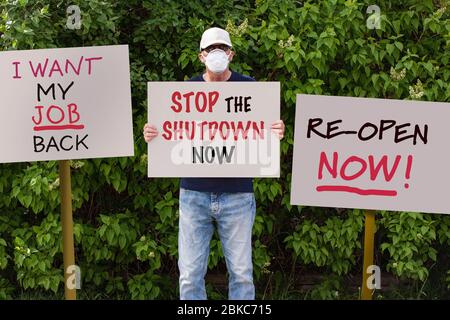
383,127
330,129
417,133
196,155
247,104
312,124
399,132
78,142
38,142
374,132
40,88
52,144
228,100
223,154
61,143
212,154
64,92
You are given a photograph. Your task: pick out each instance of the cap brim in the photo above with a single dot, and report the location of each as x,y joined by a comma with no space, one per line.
206,45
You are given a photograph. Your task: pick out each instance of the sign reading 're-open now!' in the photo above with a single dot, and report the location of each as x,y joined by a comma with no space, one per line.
371,154
214,129
69,103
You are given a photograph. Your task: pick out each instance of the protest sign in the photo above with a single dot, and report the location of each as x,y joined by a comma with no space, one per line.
214,129
69,103
371,154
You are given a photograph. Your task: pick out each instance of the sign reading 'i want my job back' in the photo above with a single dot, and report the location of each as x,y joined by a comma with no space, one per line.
371,154
214,129
70,103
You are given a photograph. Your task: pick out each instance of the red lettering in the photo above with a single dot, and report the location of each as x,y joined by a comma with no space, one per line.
201,101
72,108
374,170
55,67
16,64
213,96
167,133
41,69
357,174
77,71
90,65
187,96
202,129
227,127
197,101
323,161
49,117
213,126
260,130
39,110
55,116
240,128
175,97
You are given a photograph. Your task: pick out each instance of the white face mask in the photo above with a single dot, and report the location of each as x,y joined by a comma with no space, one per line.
217,61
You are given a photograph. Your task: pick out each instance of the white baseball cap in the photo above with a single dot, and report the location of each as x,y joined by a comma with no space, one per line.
214,36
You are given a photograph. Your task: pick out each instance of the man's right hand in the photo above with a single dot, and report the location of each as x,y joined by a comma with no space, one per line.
150,132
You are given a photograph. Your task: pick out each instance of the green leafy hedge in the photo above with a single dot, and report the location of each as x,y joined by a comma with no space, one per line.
126,224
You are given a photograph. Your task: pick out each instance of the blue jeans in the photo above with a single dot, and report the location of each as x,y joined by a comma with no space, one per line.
234,214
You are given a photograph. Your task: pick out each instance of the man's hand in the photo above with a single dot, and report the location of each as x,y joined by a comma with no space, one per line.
278,128
150,132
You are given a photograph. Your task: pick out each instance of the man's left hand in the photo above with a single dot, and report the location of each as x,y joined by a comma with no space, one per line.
278,128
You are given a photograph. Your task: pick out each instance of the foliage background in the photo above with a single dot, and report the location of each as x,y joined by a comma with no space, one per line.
126,224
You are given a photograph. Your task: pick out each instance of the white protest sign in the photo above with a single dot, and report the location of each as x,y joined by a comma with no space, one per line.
371,154
214,129
70,103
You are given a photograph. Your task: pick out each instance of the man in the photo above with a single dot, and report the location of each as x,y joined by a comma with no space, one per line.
229,202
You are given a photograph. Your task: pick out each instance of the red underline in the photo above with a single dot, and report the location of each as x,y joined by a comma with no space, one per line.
62,127
363,192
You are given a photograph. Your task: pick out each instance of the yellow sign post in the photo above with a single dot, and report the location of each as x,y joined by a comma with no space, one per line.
67,226
369,235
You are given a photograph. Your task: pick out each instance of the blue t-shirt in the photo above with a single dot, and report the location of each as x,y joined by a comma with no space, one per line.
220,184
